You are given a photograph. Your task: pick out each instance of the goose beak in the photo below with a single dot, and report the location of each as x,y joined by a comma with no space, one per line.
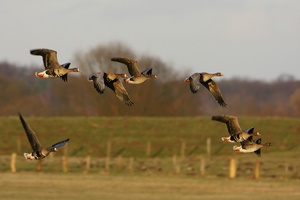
258,134
187,80
126,80
225,139
39,74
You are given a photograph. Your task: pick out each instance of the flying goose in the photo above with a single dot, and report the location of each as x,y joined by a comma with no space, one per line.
204,78
234,129
112,81
52,67
38,152
137,77
249,146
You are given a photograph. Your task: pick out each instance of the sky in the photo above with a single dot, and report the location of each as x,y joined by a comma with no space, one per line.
249,39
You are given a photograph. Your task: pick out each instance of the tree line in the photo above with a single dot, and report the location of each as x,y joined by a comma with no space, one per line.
168,95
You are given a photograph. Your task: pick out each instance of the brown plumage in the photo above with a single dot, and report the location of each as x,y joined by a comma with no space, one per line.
204,79
112,81
137,77
234,129
38,152
52,67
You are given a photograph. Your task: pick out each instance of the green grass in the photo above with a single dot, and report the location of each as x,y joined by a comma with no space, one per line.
89,135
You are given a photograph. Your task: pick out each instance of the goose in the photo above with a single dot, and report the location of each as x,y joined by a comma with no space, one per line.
38,152
204,78
52,68
102,79
249,146
137,77
234,129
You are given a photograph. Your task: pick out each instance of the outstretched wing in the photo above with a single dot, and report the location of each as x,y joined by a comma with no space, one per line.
131,65
215,91
49,57
98,81
194,82
32,138
121,93
59,144
232,123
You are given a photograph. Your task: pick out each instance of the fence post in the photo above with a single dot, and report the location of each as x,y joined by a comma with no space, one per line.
202,165
130,166
13,168
64,164
108,154
232,168
208,147
176,166
256,169
88,164
39,166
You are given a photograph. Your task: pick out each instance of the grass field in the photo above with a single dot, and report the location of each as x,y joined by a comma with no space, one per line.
89,135
152,177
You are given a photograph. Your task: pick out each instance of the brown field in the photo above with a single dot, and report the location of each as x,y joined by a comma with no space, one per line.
111,187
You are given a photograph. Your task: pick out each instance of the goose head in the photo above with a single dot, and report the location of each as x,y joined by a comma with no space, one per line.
219,74
228,139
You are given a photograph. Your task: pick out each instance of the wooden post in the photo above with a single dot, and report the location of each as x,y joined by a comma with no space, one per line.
108,154
39,166
148,149
13,168
65,164
183,147
87,164
130,165
202,166
176,166
208,147
232,168
256,169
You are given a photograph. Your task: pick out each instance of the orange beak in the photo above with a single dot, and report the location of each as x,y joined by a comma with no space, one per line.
187,80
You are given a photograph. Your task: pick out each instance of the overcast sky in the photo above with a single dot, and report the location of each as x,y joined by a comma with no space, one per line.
255,39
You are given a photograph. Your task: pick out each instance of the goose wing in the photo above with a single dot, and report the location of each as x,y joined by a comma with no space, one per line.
49,57
121,93
215,91
232,123
58,144
194,82
32,138
131,65
98,81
